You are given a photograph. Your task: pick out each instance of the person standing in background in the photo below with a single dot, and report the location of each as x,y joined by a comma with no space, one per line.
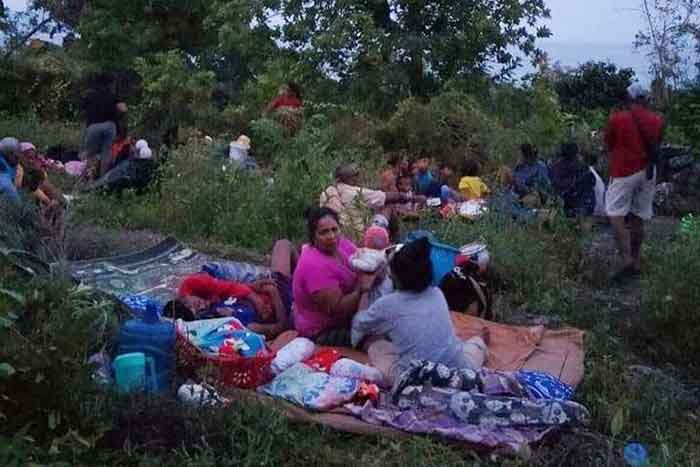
102,109
630,137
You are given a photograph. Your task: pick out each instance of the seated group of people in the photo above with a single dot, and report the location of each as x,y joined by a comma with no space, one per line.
530,184
378,298
567,177
24,170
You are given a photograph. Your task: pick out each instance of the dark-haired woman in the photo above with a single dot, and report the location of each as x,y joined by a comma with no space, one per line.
326,289
263,306
415,320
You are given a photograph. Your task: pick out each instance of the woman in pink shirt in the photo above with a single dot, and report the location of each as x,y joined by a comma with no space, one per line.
326,289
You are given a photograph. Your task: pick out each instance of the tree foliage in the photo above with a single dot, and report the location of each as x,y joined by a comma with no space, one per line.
593,85
425,42
174,91
671,27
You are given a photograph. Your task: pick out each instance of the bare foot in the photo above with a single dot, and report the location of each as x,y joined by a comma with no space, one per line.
486,336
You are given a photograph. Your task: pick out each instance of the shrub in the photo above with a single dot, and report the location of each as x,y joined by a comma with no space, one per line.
267,138
175,93
450,127
28,127
670,321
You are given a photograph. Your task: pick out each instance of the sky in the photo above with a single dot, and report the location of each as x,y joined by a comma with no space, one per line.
582,30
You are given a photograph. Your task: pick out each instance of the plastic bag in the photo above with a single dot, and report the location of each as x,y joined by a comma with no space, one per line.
348,368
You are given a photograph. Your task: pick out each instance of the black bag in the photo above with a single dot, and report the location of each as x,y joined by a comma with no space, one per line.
653,150
463,286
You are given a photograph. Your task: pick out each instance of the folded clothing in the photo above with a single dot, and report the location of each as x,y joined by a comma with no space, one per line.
246,343
139,304
348,368
295,352
540,385
313,390
323,360
236,272
242,310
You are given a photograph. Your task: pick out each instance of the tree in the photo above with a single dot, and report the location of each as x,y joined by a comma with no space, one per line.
431,41
670,25
19,27
591,86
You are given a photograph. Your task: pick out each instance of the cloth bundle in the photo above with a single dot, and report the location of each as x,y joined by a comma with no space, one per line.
368,260
295,352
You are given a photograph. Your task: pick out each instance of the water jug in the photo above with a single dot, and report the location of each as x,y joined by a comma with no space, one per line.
155,339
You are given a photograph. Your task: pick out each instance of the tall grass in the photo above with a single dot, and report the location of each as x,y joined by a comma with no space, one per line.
42,133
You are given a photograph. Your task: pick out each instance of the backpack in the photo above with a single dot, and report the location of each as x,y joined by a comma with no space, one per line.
463,286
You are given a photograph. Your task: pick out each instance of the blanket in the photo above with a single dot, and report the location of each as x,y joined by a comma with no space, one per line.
511,348
155,272
557,352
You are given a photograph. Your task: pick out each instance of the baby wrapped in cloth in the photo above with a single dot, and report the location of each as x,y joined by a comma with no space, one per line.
372,258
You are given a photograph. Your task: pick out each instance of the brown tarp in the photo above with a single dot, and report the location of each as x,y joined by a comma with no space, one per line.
511,348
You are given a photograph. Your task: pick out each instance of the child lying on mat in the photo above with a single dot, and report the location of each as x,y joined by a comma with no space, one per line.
414,322
264,306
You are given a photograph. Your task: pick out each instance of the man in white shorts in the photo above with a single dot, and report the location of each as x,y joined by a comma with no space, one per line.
630,196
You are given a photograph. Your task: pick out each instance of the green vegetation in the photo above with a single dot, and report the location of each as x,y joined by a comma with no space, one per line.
377,77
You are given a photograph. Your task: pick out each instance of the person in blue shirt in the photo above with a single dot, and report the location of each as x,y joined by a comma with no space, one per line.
8,168
531,178
423,178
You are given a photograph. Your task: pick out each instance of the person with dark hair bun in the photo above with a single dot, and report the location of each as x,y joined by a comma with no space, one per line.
326,289
531,178
414,322
573,182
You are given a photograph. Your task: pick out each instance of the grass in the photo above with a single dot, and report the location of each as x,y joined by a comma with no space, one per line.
52,413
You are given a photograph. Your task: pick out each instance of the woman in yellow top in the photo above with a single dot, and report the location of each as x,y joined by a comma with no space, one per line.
471,186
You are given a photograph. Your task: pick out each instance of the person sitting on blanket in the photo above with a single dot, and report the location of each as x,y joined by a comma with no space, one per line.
9,147
264,306
327,289
414,322
46,192
573,182
471,186
531,178
407,210
351,201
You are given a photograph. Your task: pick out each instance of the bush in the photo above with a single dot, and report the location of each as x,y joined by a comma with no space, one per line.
669,326
201,196
267,138
28,127
450,127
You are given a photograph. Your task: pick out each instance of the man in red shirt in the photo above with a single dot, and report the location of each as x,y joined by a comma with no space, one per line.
630,196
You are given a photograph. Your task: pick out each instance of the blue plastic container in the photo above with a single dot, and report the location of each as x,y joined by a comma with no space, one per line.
130,372
156,340
442,256
635,455
443,259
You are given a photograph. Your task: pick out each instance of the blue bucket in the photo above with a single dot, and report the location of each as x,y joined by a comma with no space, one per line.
442,256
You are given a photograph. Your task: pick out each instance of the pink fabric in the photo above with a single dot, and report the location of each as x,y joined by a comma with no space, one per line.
315,272
75,168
